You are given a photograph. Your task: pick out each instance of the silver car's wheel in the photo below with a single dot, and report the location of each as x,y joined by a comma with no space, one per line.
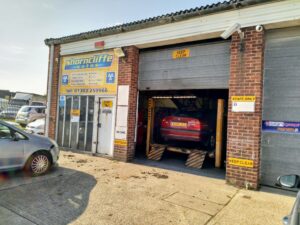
39,164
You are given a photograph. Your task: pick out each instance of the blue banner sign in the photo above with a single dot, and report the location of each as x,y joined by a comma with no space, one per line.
281,127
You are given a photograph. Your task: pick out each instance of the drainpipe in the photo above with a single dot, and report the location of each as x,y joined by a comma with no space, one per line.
50,75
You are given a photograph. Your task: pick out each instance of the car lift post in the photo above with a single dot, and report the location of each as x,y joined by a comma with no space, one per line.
219,133
150,123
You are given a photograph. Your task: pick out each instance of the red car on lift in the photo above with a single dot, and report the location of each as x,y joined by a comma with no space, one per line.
188,126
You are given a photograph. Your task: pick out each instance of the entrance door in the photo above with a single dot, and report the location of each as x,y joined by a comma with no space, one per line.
105,126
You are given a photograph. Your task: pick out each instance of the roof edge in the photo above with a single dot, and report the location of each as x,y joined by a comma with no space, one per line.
157,21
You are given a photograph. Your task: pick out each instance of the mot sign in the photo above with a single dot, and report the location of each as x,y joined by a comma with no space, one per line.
243,103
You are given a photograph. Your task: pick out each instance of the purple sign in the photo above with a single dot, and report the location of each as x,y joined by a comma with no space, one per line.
281,127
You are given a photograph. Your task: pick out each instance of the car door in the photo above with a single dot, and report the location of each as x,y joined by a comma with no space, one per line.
11,148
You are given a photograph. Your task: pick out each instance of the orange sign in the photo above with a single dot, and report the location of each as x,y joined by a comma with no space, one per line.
183,53
241,162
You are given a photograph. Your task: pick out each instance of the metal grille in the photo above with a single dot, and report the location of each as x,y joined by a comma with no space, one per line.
9,110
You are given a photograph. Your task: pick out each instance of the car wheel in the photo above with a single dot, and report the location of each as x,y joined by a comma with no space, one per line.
38,164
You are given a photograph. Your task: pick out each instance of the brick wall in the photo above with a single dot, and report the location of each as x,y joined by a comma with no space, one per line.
128,75
54,92
246,73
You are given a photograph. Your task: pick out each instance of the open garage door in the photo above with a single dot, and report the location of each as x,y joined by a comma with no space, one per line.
197,66
280,152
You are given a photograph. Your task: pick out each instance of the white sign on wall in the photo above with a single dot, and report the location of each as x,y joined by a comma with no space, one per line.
123,94
243,103
122,116
121,124
121,133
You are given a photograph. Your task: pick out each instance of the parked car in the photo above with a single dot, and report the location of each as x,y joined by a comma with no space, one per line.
20,150
291,182
190,126
28,114
36,127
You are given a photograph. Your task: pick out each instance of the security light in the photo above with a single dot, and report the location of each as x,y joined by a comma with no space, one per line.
230,30
119,52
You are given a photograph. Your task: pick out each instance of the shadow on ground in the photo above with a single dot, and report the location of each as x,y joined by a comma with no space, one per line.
59,197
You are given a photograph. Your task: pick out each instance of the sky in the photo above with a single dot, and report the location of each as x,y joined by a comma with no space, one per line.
25,24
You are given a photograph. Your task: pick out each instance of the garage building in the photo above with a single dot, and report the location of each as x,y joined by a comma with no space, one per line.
111,91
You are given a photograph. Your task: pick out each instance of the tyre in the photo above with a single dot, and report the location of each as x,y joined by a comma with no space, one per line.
38,164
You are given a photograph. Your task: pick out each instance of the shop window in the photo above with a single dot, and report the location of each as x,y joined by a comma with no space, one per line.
75,122
90,121
82,122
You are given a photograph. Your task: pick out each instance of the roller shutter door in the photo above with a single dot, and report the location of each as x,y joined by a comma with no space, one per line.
280,153
207,67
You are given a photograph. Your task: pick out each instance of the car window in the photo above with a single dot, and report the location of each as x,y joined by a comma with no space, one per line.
33,110
20,136
25,109
5,132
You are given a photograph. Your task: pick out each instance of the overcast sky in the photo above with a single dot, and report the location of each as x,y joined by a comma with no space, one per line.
24,24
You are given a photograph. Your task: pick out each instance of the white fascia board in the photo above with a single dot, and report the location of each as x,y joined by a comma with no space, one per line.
283,13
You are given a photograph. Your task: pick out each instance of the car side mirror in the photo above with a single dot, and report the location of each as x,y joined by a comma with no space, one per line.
15,137
288,181
285,220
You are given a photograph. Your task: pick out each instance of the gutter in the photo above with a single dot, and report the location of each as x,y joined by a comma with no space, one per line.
159,20
49,91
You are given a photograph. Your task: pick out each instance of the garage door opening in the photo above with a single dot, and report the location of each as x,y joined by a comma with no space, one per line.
183,130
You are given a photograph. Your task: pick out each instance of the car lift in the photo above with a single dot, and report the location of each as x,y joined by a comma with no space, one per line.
196,157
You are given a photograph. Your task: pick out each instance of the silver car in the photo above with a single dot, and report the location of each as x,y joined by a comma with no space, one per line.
28,114
20,150
291,182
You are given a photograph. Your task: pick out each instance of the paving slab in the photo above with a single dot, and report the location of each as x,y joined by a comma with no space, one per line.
11,218
195,203
254,208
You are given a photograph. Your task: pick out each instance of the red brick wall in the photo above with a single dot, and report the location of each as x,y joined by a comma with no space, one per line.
128,75
244,129
54,92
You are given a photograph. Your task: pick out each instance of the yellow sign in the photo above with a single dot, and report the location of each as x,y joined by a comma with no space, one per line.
240,162
243,98
89,74
75,112
183,53
107,104
120,142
